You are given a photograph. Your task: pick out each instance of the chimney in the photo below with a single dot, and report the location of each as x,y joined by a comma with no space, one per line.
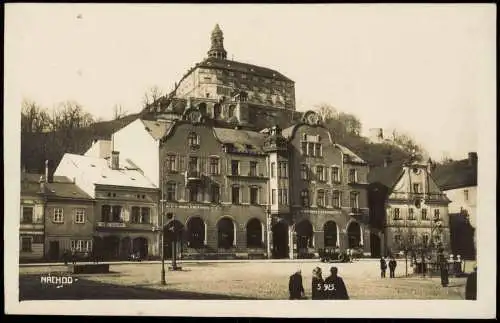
472,159
42,184
46,171
115,160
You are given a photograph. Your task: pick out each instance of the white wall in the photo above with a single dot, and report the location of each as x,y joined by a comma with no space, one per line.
68,169
135,143
457,197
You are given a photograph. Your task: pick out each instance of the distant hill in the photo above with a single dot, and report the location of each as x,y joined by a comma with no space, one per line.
38,147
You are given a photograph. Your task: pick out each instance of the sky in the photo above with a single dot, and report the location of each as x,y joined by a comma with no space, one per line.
426,70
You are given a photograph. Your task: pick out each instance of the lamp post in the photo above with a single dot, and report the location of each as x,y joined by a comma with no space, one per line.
269,233
161,231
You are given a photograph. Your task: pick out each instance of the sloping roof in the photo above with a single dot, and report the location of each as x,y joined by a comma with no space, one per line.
97,170
61,186
386,176
157,129
353,157
287,132
455,174
230,65
66,190
240,137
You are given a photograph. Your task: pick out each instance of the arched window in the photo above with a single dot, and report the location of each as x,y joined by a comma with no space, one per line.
254,234
217,111
202,107
215,193
354,235
304,198
320,198
225,229
330,232
230,111
193,139
196,233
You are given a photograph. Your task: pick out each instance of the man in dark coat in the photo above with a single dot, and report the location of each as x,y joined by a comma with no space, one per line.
383,267
334,286
392,267
444,273
295,286
471,286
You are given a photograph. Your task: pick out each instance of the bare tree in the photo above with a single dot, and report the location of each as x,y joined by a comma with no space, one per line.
351,123
70,115
326,111
151,96
118,112
408,144
33,117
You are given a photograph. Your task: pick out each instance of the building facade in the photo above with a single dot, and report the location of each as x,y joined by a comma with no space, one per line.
125,204
408,208
32,219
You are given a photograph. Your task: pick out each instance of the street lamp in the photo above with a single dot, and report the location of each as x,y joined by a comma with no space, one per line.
174,230
269,233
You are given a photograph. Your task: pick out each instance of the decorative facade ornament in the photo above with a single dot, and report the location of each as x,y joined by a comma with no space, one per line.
311,118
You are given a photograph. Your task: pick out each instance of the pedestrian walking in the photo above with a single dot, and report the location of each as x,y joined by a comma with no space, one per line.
295,286
334,286
392,267
471,285
383,267
73,256
317,286
444,273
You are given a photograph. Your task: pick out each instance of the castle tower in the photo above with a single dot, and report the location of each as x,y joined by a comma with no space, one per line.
217,49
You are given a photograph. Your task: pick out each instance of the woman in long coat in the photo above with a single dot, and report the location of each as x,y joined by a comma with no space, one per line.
317,287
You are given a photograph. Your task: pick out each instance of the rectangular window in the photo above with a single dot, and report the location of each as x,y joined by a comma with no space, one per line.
214,166
105,213
253,168
27,214
58,215
116,213
136,214
285,196
424,214
280,196
215,194
318,151
79,215
171,163
335,175
303,148
352,176
466,195
283,170
416,188
145,215
396,214
273,196
273,170
193,164
254,195
235,167
171,191
336,199
354,200
320,173
397,239
411,214
436,214
304,172
26,244
425,239
411,239
320,199
193,193
235,195
310,151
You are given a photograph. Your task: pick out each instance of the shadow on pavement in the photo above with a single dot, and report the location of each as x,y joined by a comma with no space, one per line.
30,288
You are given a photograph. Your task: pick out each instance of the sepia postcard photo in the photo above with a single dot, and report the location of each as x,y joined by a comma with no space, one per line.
257,160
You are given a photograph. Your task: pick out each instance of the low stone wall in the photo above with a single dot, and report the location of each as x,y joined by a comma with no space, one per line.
89,268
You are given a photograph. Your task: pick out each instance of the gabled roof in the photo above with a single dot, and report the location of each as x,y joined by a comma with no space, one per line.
456,174
230,65
386,176
61,186
97,171
66,190
352,156
157,129
287,132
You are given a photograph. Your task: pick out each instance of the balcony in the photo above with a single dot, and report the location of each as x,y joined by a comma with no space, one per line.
125,225
421,196
111,224
193,175
31,226
356,211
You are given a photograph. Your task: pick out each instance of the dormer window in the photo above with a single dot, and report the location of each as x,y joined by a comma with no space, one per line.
193,139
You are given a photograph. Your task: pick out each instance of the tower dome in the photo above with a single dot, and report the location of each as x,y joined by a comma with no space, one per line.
217,48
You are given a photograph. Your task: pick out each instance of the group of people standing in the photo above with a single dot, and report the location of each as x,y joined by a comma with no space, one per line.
392,267
332,287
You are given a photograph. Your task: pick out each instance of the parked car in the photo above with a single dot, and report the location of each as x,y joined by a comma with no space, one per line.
332,255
